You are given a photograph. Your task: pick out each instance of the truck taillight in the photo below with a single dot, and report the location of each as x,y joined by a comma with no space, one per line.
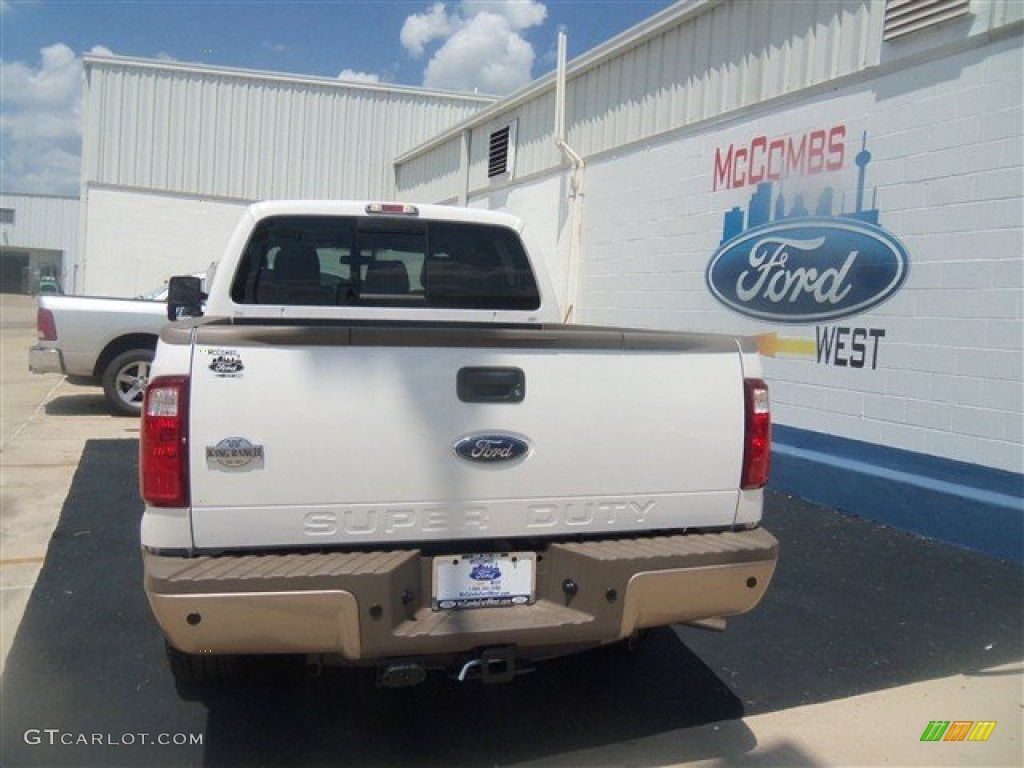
46,326
757,450
163,459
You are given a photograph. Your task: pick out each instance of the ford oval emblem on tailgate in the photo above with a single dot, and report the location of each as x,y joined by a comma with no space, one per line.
491,448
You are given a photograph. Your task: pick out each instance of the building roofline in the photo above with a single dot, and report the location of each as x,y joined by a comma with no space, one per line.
46,195
93,60
636,35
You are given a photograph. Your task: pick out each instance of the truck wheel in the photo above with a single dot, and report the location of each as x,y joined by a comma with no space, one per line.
124,381
195,669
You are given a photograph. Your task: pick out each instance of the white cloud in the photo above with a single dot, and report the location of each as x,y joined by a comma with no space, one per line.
54,172
273,47
481,45
521,14
486,54
422,28
353,76
55,82
41,122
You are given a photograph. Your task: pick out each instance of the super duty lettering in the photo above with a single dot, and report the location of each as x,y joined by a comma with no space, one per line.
370,522
375,421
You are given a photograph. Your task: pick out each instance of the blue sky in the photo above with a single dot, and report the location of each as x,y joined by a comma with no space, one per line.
493,46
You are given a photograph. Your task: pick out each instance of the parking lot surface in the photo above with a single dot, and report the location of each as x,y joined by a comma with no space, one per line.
865,637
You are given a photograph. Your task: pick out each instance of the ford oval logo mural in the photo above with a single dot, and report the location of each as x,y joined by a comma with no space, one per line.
491,448
808,270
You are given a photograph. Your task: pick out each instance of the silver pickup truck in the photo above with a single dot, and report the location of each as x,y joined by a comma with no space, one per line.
99,341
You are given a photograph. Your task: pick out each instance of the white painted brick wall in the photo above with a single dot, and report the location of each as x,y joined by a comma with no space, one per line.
886,408
948,169
169,235
930,415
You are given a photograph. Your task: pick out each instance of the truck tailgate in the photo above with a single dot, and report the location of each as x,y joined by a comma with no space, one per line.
328,435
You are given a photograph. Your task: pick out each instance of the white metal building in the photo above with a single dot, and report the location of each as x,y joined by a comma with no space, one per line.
38,238
172,151
844,180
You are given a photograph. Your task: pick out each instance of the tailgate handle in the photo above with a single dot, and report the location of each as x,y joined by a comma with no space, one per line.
491,385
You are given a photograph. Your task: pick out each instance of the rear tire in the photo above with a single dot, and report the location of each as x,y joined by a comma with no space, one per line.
125,379
198,676
198,669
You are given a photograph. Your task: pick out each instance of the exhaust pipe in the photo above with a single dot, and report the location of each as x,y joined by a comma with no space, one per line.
716,624
401,674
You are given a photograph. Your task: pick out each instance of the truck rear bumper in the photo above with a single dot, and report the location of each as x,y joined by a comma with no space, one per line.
45,360
377,605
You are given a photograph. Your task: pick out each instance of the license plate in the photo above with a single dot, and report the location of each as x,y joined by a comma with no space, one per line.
484,581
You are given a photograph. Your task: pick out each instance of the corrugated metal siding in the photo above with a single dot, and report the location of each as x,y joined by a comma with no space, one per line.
733,56
1003,12
240,135
990,15
433,177
729,56
49,223
535,149
705,62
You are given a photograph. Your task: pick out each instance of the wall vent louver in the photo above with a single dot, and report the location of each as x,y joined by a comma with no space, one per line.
501,151
905,16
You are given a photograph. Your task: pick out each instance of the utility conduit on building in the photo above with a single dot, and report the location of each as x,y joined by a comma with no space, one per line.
576,194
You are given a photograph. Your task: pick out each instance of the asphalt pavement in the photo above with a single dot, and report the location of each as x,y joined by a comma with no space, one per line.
866,635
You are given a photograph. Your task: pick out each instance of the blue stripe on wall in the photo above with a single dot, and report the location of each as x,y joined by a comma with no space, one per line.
963,504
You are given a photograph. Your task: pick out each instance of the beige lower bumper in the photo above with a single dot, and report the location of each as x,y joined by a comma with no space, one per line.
377,605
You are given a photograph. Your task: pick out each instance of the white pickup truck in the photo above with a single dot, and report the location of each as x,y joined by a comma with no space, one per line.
379,446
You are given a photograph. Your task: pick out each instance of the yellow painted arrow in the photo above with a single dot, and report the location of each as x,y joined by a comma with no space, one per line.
773,345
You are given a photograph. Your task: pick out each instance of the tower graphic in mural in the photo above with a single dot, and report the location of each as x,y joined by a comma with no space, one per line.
766,207
791,260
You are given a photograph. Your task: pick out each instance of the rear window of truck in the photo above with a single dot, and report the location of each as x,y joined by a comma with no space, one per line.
384,261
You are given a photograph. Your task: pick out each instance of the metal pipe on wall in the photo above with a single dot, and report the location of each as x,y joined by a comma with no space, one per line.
576,189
